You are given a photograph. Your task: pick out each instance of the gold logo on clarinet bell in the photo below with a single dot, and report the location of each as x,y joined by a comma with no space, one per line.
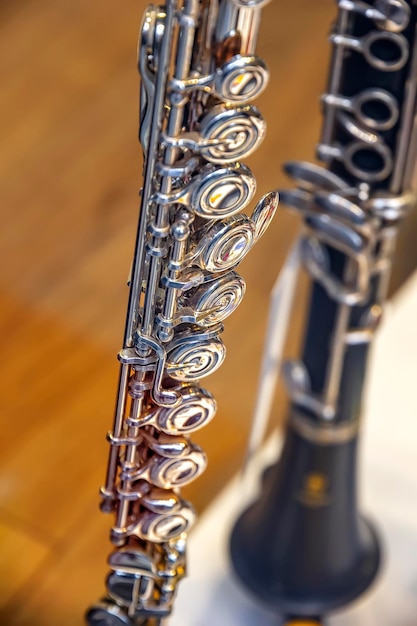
315,490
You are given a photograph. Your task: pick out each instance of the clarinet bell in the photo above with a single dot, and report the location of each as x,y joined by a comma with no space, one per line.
302,548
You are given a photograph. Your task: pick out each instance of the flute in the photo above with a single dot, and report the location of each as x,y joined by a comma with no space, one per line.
199,72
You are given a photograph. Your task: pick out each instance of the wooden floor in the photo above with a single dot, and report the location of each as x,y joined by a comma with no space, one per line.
70,171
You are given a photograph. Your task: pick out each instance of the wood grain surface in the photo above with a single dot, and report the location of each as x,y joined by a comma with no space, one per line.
70,173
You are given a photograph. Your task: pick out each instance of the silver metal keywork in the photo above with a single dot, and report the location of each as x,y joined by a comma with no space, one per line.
199,74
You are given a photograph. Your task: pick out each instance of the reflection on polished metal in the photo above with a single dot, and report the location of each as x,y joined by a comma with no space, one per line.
303,548
199,71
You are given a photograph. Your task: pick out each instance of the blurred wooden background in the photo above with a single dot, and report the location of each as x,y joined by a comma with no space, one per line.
70,172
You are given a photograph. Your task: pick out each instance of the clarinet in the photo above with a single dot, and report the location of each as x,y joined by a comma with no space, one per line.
198,72
303,548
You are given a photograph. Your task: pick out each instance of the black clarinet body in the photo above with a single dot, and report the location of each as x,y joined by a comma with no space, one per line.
303,547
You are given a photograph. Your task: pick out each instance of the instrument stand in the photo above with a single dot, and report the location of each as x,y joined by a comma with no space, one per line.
210,596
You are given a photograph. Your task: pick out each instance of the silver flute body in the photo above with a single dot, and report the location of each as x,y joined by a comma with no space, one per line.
199,73
303,547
